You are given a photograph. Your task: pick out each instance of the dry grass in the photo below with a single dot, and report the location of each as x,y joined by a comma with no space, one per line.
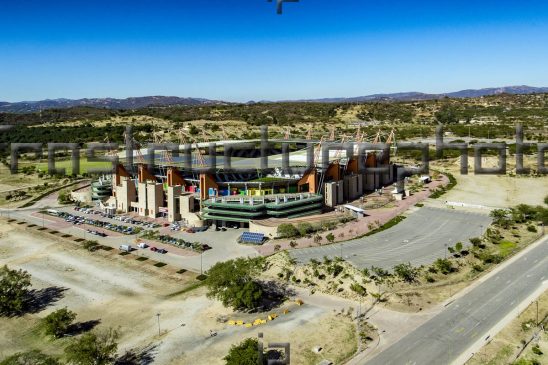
505,346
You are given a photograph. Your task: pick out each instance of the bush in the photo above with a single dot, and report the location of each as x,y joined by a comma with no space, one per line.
536,350
475,241
532,229
287,230
444,266
406,272
357,288
57,323
330,237
64,197
14,286
305,228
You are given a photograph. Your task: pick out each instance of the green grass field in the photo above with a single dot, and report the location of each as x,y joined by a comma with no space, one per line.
85,165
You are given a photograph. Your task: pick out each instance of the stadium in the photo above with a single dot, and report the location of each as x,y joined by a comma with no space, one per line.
226,183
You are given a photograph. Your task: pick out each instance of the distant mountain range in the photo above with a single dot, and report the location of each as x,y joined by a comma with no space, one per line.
108,103
410,96
160,101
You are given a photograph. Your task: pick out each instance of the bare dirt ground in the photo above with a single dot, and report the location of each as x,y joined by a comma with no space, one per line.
507,344
494,191
106,290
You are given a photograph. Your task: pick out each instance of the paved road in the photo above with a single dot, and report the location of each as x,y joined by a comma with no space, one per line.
445,337
419,239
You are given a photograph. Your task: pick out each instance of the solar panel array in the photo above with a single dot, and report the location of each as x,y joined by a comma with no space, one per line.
250,237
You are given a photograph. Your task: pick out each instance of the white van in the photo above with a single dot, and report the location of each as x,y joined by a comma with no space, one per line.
125,248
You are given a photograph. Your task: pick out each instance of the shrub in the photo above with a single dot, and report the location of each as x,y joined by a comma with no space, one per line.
406,272
532,229
444,266
305,228
330,237
357,288
287,230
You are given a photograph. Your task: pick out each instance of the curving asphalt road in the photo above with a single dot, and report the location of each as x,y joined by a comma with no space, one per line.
421,238
448,336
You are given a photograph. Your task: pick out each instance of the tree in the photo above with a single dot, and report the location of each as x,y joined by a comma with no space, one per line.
90,245
33,357
500,217
232,282
93,348
14,286
406,272
458,247
287,230
64,197
245,353
446,115
57,323
330,237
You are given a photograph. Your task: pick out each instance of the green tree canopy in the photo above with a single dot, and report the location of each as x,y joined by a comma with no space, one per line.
14,286
406,272
287,230
57,323
233,283
245,353
93,348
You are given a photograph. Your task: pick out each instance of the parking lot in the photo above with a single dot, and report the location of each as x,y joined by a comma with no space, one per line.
420,239
221,245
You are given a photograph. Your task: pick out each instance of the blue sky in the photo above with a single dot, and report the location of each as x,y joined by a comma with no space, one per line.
240,50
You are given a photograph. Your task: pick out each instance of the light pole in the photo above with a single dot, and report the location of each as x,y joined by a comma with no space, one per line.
158,316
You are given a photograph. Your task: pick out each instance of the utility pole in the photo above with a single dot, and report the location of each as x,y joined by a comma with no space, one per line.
537,315
358,326
158,316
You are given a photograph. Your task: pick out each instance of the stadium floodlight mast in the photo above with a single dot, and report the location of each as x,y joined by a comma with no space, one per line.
279,5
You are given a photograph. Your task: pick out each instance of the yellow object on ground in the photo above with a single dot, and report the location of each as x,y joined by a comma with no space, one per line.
231,322
248,325
286,311
272,316
299,302
239,323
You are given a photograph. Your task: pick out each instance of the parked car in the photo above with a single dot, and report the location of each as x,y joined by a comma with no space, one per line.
162,251
154,249
143,245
